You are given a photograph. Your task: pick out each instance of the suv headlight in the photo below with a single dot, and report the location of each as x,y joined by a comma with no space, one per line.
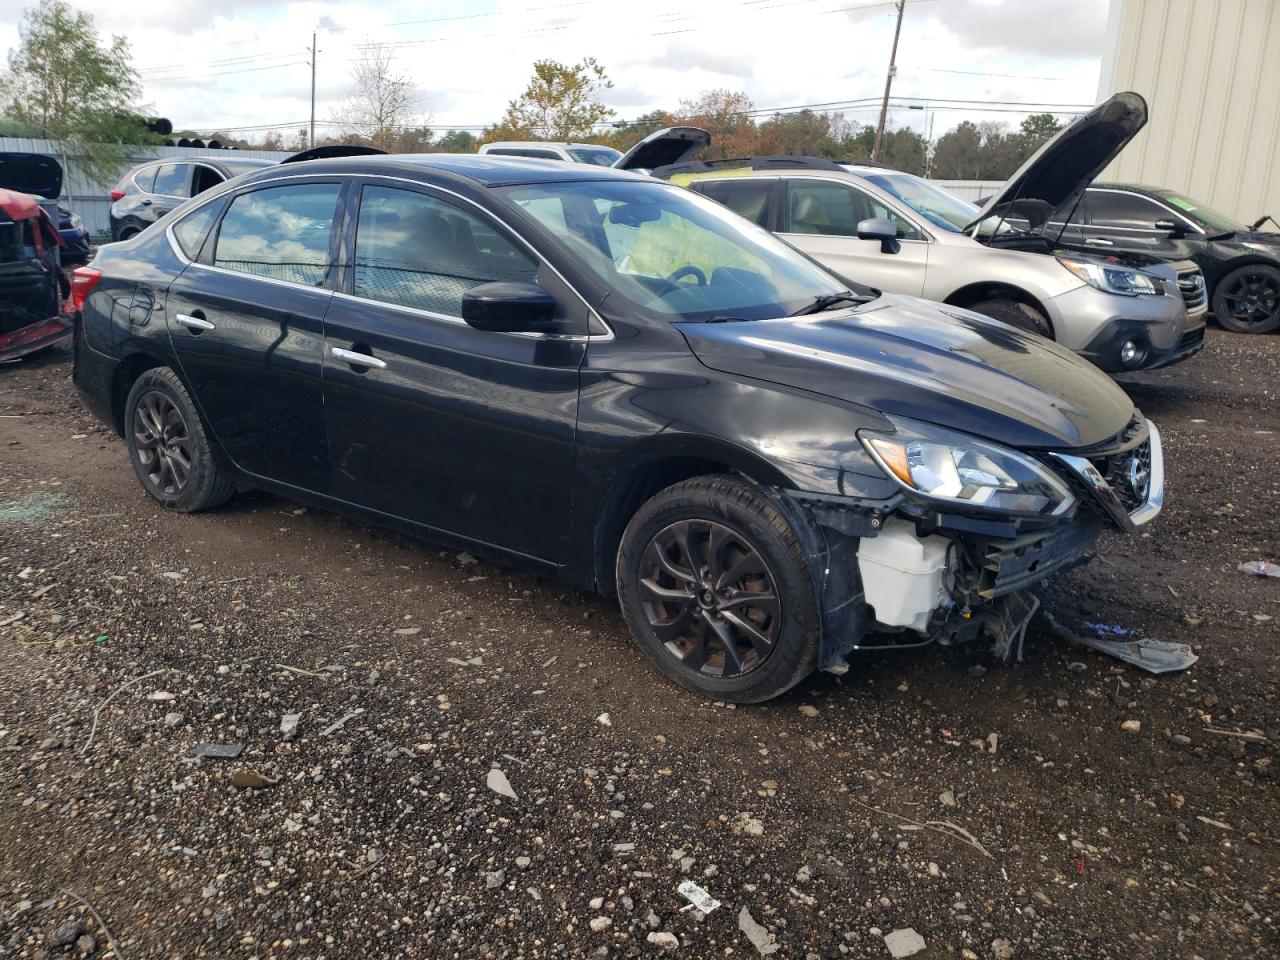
960,469
1110,278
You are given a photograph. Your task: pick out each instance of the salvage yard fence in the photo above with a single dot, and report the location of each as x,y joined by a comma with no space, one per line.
91,199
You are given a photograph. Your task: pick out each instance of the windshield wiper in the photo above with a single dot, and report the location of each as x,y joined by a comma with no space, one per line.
827,301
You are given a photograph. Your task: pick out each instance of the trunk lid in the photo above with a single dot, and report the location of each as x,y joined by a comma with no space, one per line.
1057,174
664,147
34,173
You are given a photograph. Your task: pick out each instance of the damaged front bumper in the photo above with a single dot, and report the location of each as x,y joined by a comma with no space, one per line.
907,571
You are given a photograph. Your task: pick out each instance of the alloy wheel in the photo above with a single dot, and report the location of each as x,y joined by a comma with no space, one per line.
711,599
162,442
1253,298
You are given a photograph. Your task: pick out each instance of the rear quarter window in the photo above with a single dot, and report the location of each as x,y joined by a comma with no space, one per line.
192,229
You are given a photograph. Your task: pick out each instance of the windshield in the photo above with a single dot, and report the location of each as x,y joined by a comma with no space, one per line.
674,254
1206,218
600,156
938,206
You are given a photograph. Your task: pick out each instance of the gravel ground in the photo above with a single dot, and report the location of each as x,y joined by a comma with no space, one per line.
129,636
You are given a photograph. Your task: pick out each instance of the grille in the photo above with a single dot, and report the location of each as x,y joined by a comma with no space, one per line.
1128,473
1194,295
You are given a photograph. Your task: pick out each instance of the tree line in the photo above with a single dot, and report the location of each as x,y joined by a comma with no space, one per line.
62,83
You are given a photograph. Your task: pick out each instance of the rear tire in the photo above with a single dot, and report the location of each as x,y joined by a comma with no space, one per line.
715,588
1247,300
168,446
1016,314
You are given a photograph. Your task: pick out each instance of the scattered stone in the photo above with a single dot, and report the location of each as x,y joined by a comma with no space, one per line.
1131,726
600,924
758,935
947,798
523,863
663,941
493,879
86,945
248,780
804,874
50,743
808,710
466,560
1001,949
289,724
993,741
162,696
173,719
904,943
748,825
497,781
604,720
67,934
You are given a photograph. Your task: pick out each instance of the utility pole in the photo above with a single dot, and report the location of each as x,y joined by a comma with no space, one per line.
888,81
314,88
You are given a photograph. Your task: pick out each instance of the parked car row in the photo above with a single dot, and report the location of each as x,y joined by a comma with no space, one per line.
770,465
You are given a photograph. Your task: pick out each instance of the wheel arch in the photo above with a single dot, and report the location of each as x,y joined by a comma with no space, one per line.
658,466
975,293
1238,263
126,373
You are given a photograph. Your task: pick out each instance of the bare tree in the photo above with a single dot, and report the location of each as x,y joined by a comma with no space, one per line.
382,100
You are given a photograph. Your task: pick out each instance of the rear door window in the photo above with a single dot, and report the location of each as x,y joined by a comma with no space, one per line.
281,233
747,198
835,209
173,180
145,178
1109,209
419,251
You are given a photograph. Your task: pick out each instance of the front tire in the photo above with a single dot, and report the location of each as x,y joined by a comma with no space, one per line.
168,446
1247,300
1016,314
715,588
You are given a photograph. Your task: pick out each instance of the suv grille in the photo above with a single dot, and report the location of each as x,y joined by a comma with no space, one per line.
1194,295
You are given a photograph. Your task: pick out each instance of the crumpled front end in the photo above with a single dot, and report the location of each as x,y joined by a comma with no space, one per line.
908,571
30,284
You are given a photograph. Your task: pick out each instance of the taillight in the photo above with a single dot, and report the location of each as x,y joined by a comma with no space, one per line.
83,280
117,195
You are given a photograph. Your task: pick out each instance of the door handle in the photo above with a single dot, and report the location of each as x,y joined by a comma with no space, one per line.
145,203
193,323
357,359
1098,242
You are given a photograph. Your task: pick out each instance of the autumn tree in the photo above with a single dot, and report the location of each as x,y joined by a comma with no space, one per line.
65,85
561,102
456,141
382,100
725,114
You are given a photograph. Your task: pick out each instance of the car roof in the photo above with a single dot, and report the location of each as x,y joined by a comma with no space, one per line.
221,164
1131,187
483,169
505,144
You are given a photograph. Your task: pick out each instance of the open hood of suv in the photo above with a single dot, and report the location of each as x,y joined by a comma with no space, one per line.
1058,173
36,173
663,147
904,356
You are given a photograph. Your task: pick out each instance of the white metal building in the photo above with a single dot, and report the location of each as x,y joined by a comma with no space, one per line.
1210,71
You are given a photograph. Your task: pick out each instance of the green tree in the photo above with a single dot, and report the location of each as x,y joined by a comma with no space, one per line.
803,133
561,102
457,141
67,86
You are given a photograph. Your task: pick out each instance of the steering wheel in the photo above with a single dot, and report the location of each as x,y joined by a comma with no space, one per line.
688,270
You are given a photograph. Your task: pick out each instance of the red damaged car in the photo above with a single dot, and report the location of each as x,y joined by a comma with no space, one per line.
32,284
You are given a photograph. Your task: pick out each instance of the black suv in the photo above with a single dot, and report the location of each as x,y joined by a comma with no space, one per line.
152,189
1240,263
611,380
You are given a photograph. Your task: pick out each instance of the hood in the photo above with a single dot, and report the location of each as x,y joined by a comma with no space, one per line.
333,150
946,366
35,173
1058,173
663,147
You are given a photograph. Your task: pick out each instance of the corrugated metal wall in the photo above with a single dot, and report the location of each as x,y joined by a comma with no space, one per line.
91,200
1210,70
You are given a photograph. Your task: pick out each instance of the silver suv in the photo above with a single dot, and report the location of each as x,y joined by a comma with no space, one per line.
904,234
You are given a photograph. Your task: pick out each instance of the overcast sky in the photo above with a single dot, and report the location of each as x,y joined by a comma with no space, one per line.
241,63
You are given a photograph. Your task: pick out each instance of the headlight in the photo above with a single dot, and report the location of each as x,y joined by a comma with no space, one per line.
960,469
1110,278
76,222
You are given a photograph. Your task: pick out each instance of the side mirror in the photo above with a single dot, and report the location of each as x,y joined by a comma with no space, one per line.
1175,229
882,229
508,307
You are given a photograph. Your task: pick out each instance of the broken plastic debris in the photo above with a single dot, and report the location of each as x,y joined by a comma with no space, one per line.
698,898
341,722
904,943
757,934
1154,656
1105,628
497,782
1260,568
217,751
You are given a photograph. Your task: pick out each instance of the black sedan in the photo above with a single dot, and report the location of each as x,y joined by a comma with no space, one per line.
613,381
1240,263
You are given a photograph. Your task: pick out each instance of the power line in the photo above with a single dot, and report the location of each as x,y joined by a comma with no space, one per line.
225,73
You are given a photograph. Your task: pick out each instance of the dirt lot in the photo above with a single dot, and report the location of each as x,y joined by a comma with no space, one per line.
380,837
